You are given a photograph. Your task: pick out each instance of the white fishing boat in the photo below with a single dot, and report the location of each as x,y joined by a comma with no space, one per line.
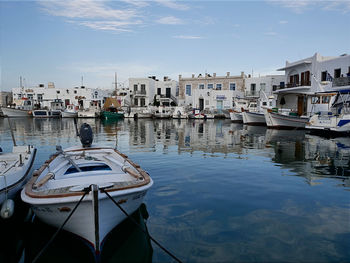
240,104
253,118
92,112
197,114
236,116
22,110
337,119
56,188
162,113
15,170
284,119
70,112
180,113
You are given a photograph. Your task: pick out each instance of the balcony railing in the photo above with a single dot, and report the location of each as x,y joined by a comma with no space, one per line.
140,92
301,84
342,81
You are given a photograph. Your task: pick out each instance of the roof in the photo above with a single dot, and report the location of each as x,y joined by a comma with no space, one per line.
298,63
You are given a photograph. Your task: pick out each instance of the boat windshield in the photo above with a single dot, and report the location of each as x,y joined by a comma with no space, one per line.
89,168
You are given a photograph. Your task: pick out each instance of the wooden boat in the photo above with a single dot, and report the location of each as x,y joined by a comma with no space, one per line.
15,169
22,110
339,123
236,116
70,112
197,114
112,109
284,120
253,118
55,189
180,113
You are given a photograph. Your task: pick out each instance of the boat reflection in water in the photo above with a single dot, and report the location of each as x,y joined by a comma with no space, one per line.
125,243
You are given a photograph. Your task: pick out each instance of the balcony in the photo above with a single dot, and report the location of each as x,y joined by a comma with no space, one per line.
301,84
140,93
342,81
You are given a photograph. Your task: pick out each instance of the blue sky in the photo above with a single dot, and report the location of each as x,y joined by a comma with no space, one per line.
61,41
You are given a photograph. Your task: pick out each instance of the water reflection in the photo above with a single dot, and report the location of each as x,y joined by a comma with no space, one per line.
224,191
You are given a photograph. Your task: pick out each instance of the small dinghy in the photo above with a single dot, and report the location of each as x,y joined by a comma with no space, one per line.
81,176
15,169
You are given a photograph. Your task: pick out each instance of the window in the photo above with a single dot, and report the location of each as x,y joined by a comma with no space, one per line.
262,86
324,76
201,86
19,96
218,86
142,102
136,102
210,86
58,92
188,90
274,87
337,73
75,92
315,100
30,96
253,88
325,99
135,87
40,97
159,91
143,88
232,86
282,85
67,91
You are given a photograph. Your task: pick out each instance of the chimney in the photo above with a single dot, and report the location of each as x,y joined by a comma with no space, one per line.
227,74
165,78
180,76
242,74
214,75
192,75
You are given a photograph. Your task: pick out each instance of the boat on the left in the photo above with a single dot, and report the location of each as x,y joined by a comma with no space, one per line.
15,170
24,109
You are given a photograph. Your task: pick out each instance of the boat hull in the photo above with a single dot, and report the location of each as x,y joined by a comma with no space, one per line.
280,121
236,116
10,112
337,124
253,118
54,212
68,114
112,115
12,181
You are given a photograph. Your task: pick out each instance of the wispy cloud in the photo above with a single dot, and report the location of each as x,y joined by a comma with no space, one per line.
170,20
173,5
136,3
93,14
187,37
300,6
283,22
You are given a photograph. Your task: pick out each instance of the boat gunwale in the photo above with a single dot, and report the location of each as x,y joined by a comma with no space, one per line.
29,186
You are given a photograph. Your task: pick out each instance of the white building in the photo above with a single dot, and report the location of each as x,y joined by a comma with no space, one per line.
210,91
143,91
43,96
311,75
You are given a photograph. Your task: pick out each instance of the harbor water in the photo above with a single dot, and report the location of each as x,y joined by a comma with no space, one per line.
223,192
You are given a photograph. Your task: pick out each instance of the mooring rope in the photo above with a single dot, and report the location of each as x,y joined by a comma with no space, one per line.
86,191
133,220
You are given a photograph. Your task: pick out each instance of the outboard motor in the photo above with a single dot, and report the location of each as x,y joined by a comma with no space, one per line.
86,135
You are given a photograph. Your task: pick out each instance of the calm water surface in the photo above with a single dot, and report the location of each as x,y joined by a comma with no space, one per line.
224,192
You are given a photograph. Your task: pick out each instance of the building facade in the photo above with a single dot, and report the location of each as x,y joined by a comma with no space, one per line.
5,98
210,91
42,96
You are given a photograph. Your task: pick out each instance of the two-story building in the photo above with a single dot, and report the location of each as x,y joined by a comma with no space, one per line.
5,98
210,91
304,78
167,91
42,96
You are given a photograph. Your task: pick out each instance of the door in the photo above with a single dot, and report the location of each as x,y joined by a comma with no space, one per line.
219,105
168,92
300,105
201,104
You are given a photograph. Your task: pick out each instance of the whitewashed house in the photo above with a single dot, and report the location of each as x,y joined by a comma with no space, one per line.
304,78
210,92
42,96
166,91
142,91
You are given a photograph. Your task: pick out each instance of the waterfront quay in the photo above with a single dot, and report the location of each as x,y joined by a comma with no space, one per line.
223,192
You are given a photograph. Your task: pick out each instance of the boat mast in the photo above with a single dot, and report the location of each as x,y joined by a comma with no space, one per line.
115,84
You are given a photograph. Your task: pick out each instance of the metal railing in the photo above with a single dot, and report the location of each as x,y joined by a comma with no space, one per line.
302,83
342,81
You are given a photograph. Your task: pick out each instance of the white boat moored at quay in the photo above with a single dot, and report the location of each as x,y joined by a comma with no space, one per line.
253,118
70,112
284,120
56,188
15,169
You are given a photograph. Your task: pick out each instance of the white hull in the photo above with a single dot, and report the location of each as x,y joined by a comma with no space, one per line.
54,191
87,114
69,114
253,118
236,116
13,175
276,120
162,115
332,123
55,212
10,112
